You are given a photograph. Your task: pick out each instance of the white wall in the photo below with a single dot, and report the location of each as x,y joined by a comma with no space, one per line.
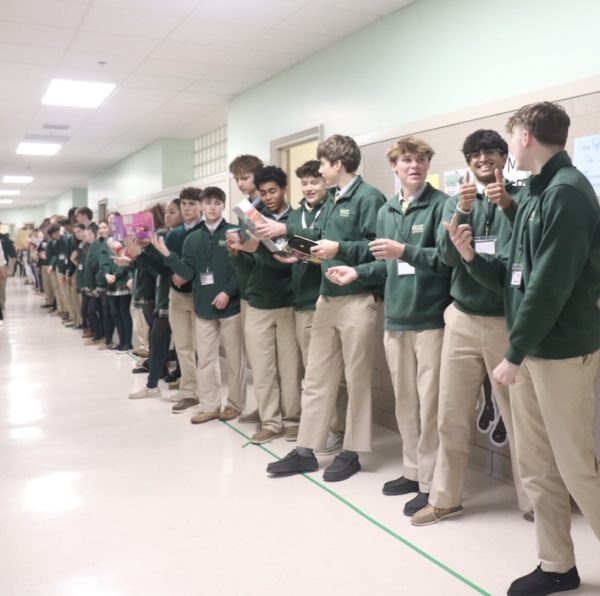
432,57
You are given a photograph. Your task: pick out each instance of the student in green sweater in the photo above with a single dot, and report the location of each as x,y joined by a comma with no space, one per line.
343,332
243,169
550,276
417,291
269,326
90,268
475,338
205,261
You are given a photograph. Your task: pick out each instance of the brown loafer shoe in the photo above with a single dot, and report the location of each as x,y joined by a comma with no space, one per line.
201,417
228,413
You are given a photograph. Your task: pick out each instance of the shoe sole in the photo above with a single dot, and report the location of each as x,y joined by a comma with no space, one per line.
437,521
203,421
395,493
184,411
284,474
263,441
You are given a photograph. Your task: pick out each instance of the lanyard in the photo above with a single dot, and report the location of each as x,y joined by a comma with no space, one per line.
528,213
314,221
490,214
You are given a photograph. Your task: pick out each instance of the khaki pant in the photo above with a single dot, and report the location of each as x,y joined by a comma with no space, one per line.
303,320
2,292
473,345
65,289
47,283
183,322
60,305
207,341
140,328
342,342
414,361
275,361
553,404
75,298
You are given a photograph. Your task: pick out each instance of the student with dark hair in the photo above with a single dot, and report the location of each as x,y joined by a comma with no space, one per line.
343,332
103,269
84,215
269,324
160,329
90,270
205,262
181,305
74,276
475,336
551,282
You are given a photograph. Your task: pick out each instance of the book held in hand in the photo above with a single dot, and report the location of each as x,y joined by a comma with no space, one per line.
136,225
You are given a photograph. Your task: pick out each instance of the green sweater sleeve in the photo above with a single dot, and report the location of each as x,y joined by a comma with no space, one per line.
425,257
184,266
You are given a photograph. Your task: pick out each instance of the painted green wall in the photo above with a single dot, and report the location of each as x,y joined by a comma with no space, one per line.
430,58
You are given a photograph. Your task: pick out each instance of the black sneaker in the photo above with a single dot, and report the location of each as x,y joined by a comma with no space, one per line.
539,583
138,370
172,377
293,463
344,465
416,504
400,486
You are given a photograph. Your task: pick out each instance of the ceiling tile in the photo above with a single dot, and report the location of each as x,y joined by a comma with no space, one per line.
90,62
294,42
141,81
198,30
35,35
175,69
265,12
13,52
263,59
191,52
106,19
131,46
172,7
54,13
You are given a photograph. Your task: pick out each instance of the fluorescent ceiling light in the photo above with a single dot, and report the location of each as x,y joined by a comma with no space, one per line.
76,94
9,193
38,148
5,201
17,179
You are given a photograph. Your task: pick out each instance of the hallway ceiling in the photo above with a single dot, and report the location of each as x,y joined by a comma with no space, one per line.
176,64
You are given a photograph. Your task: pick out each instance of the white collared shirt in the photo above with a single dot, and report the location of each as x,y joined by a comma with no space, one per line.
213,227
342,191
415,196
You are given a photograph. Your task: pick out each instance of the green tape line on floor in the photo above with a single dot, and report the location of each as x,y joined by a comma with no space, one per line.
372,520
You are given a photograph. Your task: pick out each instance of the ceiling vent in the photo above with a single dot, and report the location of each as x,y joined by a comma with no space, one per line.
47,138
56,126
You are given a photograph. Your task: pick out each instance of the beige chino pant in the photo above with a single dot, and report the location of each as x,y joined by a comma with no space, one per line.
276,365
553,405
183,324
473,345
342,342
47,283
208,332
414,361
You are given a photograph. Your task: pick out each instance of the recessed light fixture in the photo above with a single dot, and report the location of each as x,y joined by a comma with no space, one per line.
38,148
5,201
9,193
17,179
76,94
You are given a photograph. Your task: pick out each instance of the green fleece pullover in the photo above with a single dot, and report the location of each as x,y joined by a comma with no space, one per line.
486,219
413,302
551,276
205,261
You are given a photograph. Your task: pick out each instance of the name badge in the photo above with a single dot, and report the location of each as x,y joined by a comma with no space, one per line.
62,257
403,268
485,245
516,276
207,279
80,267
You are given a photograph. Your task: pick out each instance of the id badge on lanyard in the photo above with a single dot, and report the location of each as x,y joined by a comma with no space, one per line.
516,275
207,278
485,245
403,268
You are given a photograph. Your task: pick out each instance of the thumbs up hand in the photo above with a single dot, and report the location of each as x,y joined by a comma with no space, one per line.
467,192
497,193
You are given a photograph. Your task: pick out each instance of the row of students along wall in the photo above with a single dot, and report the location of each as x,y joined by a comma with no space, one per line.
474,285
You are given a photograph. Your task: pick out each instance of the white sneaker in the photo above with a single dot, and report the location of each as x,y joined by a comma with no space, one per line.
334,444
145,392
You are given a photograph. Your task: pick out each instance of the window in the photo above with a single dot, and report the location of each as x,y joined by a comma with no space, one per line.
210,153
